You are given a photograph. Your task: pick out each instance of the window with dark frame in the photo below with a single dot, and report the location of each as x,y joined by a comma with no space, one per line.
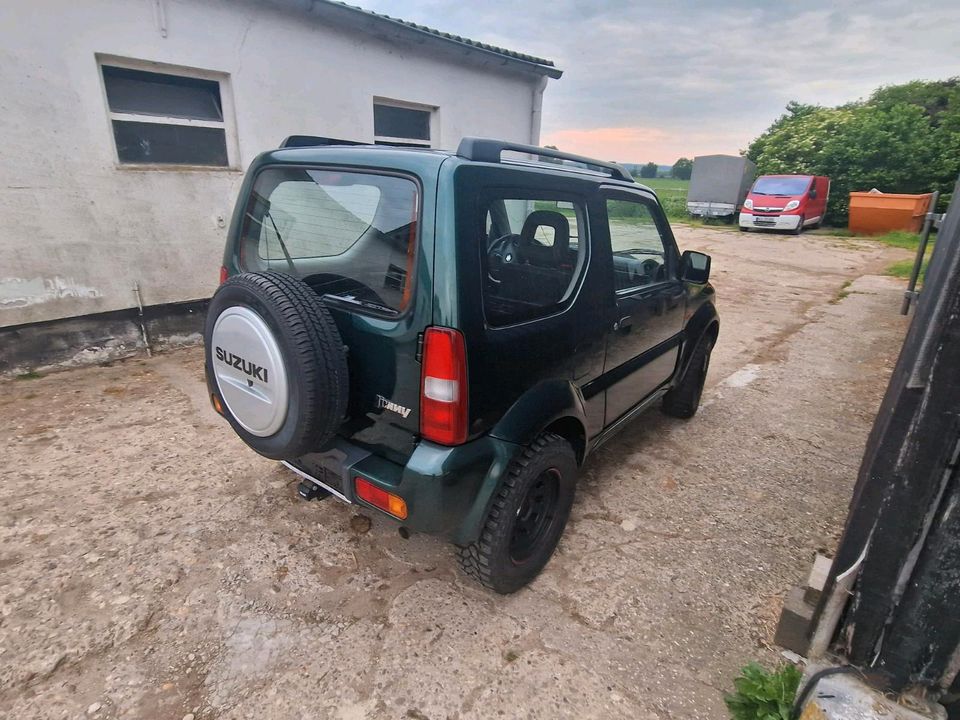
165,119
533,253
349,234
639,251
402,126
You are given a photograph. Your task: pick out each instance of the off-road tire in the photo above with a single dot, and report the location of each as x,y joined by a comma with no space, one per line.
683,400
313,353
489,560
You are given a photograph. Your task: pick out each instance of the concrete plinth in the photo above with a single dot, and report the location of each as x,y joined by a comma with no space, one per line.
848,697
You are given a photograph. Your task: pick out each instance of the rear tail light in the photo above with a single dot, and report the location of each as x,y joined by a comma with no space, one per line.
379,498
223,274
443,393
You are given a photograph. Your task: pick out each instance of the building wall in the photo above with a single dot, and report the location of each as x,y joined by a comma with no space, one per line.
78,229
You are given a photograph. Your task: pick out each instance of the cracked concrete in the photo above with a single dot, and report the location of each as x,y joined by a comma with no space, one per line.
152,565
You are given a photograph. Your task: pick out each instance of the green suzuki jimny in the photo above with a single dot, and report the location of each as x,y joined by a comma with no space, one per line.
445,337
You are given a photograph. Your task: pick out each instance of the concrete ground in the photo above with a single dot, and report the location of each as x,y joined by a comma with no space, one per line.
151,566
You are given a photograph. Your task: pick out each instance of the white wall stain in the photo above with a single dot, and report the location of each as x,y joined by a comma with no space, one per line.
21,292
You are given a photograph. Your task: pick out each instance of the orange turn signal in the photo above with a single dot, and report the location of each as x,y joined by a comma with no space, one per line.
380,499
215,401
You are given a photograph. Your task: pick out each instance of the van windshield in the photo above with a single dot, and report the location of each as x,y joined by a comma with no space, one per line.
350,235
781,185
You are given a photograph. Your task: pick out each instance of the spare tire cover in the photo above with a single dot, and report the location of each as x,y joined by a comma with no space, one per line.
275,360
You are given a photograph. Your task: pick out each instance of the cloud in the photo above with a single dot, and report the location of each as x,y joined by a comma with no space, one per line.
608,143
677,77
661,144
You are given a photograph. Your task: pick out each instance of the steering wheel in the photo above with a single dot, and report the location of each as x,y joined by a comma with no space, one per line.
505,250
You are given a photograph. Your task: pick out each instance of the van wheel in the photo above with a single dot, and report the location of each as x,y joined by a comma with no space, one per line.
683,400
526,518
799,228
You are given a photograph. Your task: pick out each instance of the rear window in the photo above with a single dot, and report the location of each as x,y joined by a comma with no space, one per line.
349,235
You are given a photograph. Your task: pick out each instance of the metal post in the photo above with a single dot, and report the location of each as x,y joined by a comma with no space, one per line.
143,327
911,294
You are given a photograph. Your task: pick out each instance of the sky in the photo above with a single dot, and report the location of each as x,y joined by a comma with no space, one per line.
654,80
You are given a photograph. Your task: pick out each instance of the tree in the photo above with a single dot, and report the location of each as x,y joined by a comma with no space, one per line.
547,158
903,138
649,170
682,169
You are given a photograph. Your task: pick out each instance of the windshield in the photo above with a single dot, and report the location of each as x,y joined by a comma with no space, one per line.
781,185
350,235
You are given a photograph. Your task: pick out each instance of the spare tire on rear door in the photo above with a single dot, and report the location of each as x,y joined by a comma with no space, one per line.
275,360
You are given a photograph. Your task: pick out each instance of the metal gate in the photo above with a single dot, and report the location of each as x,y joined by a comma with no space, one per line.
903,528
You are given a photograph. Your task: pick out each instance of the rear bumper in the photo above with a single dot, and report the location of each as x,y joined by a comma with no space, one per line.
769,222
711,209
447,489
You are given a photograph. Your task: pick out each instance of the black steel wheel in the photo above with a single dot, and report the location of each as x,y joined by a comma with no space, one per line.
526,518
535,516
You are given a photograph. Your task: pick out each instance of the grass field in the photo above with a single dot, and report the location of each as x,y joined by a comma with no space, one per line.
672,194
665,184
907,241
903,239
903,268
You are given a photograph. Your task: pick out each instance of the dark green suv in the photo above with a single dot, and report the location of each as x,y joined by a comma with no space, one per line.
446,337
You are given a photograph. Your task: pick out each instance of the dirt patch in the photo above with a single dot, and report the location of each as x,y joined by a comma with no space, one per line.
152,565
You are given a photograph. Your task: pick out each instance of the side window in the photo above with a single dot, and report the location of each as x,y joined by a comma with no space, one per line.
160,118
402,124
533,254
639,252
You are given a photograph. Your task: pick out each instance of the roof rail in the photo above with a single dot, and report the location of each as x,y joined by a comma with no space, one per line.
297,141
488,150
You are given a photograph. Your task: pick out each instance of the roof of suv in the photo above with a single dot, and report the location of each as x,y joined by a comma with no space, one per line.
471,150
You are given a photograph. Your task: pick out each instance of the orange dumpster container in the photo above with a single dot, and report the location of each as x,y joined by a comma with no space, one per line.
873,213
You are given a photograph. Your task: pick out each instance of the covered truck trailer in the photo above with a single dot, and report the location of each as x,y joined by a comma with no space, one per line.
718,185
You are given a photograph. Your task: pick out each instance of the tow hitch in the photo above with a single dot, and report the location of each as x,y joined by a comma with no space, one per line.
311,491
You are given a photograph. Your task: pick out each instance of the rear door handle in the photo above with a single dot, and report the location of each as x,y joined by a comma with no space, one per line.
623,324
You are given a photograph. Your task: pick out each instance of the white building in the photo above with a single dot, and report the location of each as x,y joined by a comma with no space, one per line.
126,125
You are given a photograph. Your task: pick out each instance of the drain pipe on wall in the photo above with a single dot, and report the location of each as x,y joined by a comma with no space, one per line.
536,114
143,327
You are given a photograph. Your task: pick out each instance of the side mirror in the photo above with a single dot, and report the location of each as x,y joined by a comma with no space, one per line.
813,193
695,267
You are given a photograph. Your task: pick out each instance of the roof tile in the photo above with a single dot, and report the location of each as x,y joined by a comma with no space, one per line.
522,57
